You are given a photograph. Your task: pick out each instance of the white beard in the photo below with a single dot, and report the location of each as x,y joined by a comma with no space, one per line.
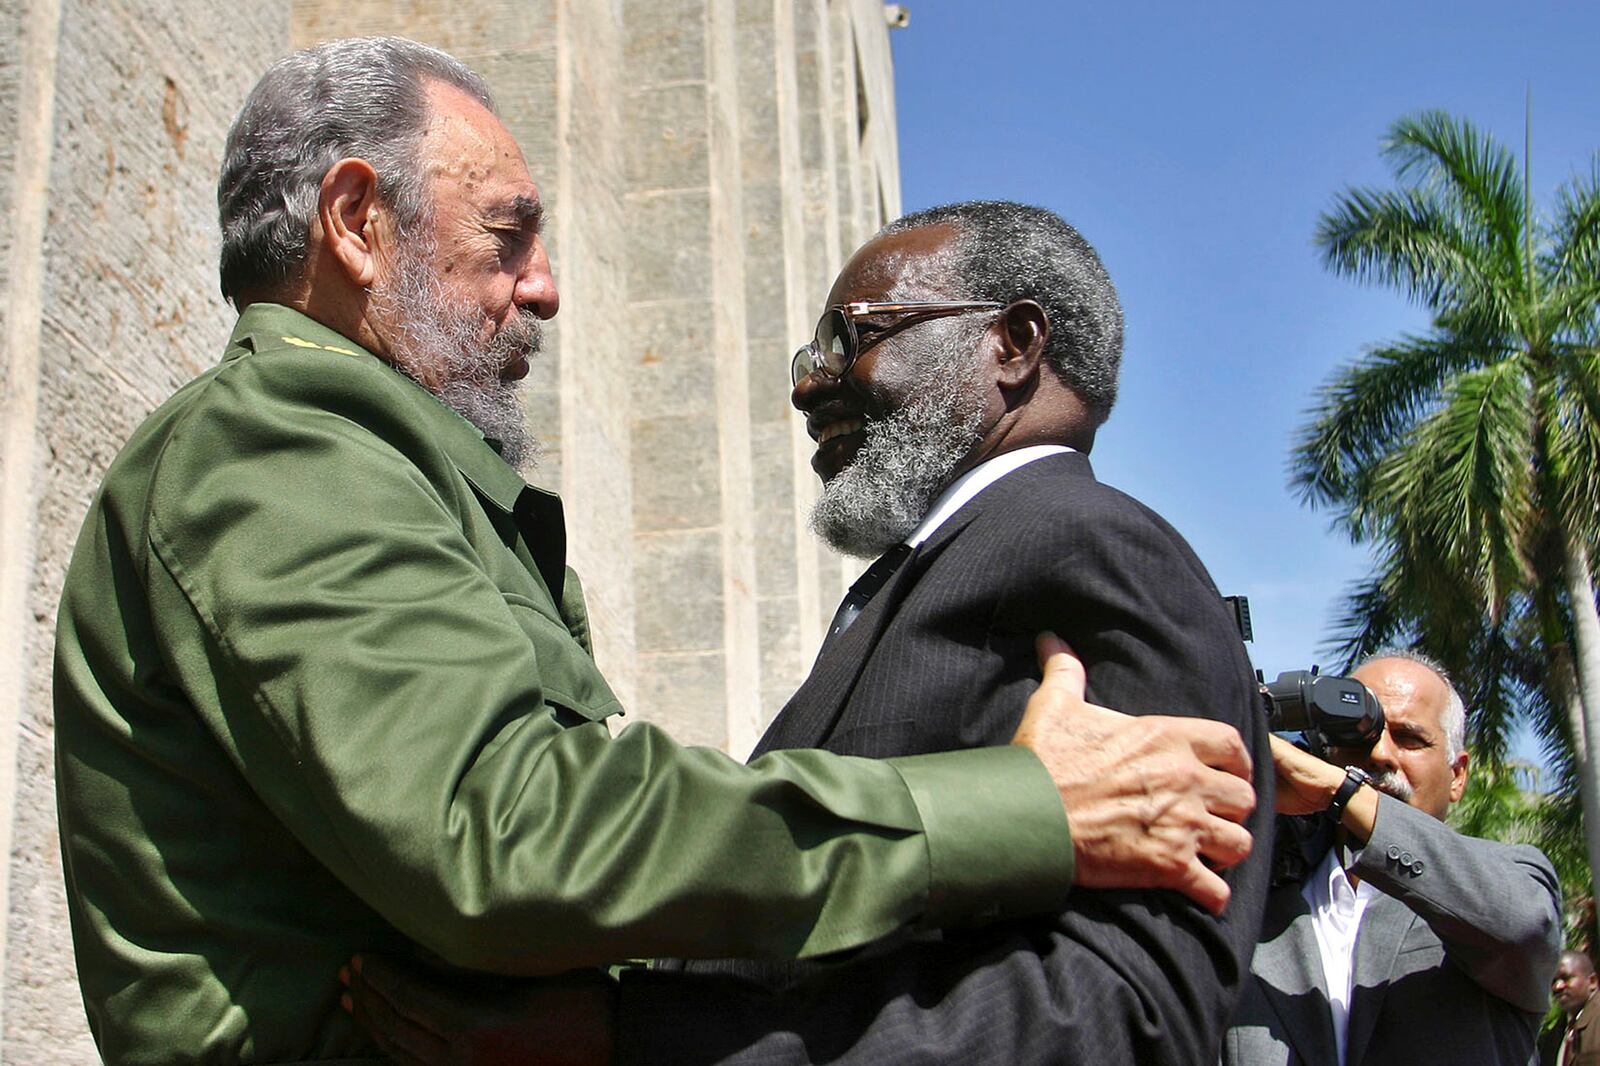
438,340
907,458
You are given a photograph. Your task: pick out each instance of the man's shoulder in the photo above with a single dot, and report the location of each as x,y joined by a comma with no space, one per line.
1064,487
1056,507
280,409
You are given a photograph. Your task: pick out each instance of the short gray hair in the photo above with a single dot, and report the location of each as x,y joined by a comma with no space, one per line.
1453,719
362,97
1006,252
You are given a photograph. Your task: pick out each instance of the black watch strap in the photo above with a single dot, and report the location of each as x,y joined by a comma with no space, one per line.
1354,778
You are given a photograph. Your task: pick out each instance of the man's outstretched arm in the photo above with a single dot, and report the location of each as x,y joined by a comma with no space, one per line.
506,831
1142,765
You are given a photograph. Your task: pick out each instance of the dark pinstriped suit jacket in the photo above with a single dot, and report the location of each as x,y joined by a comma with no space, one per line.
943,657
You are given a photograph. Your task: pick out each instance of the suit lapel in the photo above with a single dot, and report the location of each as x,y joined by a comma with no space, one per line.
1384,925
809,718
1289,963
810,715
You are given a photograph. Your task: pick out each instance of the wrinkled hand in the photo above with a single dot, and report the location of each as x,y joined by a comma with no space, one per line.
425,1018
1150,800
1306,784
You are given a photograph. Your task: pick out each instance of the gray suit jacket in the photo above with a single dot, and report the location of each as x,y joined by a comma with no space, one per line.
1453,961
943,657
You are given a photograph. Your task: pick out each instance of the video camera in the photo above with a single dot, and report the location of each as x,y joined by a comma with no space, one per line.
1328,710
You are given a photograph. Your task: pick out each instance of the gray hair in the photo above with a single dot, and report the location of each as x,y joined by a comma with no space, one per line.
1453,719
362,97
1007,252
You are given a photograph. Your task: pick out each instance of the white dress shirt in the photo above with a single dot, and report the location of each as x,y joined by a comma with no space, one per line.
975,481
1336,909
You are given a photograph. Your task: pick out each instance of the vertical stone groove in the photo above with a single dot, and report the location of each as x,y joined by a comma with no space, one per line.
35,123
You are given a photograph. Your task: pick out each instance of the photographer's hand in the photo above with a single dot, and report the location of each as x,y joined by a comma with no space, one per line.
1306,785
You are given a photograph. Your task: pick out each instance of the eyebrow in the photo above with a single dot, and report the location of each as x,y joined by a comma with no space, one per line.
1409,729
526,212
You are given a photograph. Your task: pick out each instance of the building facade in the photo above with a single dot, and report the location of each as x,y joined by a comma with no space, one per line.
706,163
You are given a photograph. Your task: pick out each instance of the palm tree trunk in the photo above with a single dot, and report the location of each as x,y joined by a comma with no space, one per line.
1580,742
1586,657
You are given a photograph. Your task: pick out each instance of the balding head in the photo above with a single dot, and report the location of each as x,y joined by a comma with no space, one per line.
1419,758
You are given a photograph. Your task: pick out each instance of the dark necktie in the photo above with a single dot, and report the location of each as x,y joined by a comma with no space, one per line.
877,575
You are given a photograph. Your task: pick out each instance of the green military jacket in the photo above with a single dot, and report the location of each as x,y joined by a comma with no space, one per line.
323,684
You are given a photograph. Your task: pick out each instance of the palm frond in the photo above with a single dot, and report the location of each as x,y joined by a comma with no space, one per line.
1411,240
1574,441
1370,408
1471,171
1461,490
1574,256
1370,616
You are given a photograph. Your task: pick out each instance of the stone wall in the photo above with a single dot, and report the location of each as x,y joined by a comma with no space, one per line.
706,164
114,115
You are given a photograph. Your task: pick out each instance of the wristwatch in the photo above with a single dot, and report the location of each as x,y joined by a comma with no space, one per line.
1354,778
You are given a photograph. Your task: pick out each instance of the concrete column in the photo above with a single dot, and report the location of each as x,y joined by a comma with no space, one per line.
776,297
693,529
114,114
823,250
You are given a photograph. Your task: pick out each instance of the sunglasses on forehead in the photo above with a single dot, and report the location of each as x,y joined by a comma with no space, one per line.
836,345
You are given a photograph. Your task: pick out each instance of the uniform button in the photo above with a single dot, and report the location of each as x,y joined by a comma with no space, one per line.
1405,858
1394,852
1416,868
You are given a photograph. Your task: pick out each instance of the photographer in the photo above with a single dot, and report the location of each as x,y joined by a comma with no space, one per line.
1408,942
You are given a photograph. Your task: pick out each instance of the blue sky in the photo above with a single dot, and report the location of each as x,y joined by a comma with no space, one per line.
1194,146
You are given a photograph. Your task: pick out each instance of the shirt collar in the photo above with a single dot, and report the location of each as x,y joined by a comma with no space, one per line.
974,481
1329,882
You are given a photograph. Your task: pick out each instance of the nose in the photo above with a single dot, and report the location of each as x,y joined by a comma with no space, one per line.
536,285
812,390
1384,756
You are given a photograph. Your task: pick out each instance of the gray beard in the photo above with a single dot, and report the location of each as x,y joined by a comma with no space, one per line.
440,340
907,459
1393,783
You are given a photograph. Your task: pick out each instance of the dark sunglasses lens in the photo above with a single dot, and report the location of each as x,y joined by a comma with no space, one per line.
833,342
801,366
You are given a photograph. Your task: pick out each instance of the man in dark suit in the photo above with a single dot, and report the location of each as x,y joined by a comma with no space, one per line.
954,386
1458,936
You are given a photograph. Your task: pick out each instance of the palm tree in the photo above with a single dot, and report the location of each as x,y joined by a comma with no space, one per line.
1469,455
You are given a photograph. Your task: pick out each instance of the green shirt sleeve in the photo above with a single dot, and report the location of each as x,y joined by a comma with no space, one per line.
337,625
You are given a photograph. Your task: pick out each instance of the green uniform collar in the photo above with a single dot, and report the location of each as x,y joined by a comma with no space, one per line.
266,326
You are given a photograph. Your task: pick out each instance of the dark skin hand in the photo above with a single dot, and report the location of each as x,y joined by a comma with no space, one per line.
423,1016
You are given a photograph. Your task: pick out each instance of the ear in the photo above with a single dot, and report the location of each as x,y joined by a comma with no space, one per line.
1458,783
347,215
1024,332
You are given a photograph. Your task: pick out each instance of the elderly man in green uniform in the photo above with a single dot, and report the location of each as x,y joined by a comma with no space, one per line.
323,679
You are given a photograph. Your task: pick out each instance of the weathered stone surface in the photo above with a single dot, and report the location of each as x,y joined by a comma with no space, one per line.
676,474
672,359
680,591
666,137
685,692
666,41
670,257
703,181
142,94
